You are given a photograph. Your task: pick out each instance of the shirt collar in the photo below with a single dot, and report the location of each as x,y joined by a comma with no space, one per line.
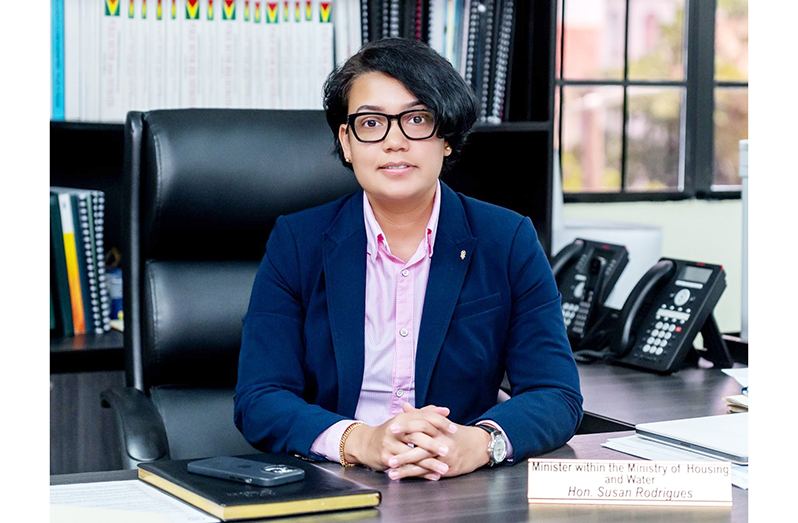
374,232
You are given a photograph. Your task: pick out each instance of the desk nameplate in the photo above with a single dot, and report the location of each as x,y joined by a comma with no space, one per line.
630,482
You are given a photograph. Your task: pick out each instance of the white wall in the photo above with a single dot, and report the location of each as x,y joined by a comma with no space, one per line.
700,230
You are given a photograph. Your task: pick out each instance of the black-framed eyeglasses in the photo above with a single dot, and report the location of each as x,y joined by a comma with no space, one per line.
415,124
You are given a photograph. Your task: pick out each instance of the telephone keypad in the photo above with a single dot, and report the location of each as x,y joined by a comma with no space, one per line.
663,331
569,311
576,314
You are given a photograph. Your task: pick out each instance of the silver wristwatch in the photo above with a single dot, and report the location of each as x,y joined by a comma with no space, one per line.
497,448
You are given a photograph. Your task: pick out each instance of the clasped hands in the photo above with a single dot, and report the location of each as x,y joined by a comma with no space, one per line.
419,443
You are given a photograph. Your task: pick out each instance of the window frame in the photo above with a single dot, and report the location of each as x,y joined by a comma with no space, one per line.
699,126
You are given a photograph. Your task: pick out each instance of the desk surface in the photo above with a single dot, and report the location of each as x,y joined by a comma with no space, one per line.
497,494
627,396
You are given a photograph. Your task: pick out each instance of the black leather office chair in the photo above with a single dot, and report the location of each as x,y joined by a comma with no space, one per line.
203,189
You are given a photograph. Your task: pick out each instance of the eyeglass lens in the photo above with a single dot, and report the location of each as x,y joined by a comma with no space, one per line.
373,127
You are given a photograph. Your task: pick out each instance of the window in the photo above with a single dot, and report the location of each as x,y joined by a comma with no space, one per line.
651,98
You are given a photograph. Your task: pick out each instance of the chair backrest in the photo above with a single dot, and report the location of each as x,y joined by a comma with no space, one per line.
203,189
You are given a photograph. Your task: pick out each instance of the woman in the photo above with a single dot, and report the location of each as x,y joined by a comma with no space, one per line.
381,325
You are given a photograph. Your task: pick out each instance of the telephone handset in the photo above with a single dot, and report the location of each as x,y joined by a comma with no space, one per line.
665,311
586,272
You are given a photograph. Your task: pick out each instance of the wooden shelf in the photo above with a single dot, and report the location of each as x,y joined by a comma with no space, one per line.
69,125
87,353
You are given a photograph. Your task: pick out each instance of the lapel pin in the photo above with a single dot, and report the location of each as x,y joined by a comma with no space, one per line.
462,255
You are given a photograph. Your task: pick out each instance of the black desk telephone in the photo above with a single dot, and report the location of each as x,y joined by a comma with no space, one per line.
586,271
665,311
656,327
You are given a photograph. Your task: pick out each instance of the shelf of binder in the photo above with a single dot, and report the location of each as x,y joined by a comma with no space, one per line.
122,56
78,284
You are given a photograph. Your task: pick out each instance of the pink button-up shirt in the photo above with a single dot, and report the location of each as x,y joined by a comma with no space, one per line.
395,293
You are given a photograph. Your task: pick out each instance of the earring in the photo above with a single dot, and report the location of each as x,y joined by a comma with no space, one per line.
348,160
448,148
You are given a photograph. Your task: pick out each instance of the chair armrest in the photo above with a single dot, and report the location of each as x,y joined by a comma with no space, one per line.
139,428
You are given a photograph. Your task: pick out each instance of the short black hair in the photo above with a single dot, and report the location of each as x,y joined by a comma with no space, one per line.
423,72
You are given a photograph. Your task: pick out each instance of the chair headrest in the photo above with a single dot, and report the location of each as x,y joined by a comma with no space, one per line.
215,180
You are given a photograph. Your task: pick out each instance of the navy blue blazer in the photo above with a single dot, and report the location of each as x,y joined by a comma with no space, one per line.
491,306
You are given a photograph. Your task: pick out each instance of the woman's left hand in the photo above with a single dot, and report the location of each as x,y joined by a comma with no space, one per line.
468,450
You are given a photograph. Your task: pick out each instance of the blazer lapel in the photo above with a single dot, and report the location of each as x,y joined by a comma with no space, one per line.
344,259
453,250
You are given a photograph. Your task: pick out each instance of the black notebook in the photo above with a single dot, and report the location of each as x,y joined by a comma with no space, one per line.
320,491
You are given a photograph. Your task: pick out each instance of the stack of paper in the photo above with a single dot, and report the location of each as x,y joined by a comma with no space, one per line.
647,449
738,402
133,497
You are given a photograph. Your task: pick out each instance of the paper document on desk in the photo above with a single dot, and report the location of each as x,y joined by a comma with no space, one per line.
67,514
737,403
741,375
130,495
647,449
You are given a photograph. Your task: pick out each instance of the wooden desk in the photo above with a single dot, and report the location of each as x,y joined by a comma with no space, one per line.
617,398
497,494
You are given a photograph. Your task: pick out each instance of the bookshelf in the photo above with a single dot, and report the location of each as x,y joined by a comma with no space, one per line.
509,163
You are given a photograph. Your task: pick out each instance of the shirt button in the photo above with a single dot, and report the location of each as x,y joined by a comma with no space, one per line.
400,393
403,332
405,272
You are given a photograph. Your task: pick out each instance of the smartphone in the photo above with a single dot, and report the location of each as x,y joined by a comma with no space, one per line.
247,471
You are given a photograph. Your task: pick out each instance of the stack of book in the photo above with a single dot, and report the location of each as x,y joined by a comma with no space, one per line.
321,490
476,36
78,291
113,56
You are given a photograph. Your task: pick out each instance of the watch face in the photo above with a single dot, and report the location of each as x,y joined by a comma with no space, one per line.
499,449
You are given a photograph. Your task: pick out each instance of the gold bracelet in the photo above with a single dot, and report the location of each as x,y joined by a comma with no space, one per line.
345,435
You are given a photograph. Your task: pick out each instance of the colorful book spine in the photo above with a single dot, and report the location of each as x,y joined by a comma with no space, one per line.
246,21
90,16
421,21
72,59
172,68
93,255
71,256
272,49
340,19
112,104
190,54
324,47
156,54
228,55
296,82
113,56
209,55
145,55
258,40
88,276
502,65
98,226
131,44
286,66
59,273
365,28
354,26
57,59
469,62
487,60
393,19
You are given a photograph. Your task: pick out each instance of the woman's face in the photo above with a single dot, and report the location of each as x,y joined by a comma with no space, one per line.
396,171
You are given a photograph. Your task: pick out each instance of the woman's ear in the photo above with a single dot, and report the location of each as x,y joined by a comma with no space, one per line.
343,138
